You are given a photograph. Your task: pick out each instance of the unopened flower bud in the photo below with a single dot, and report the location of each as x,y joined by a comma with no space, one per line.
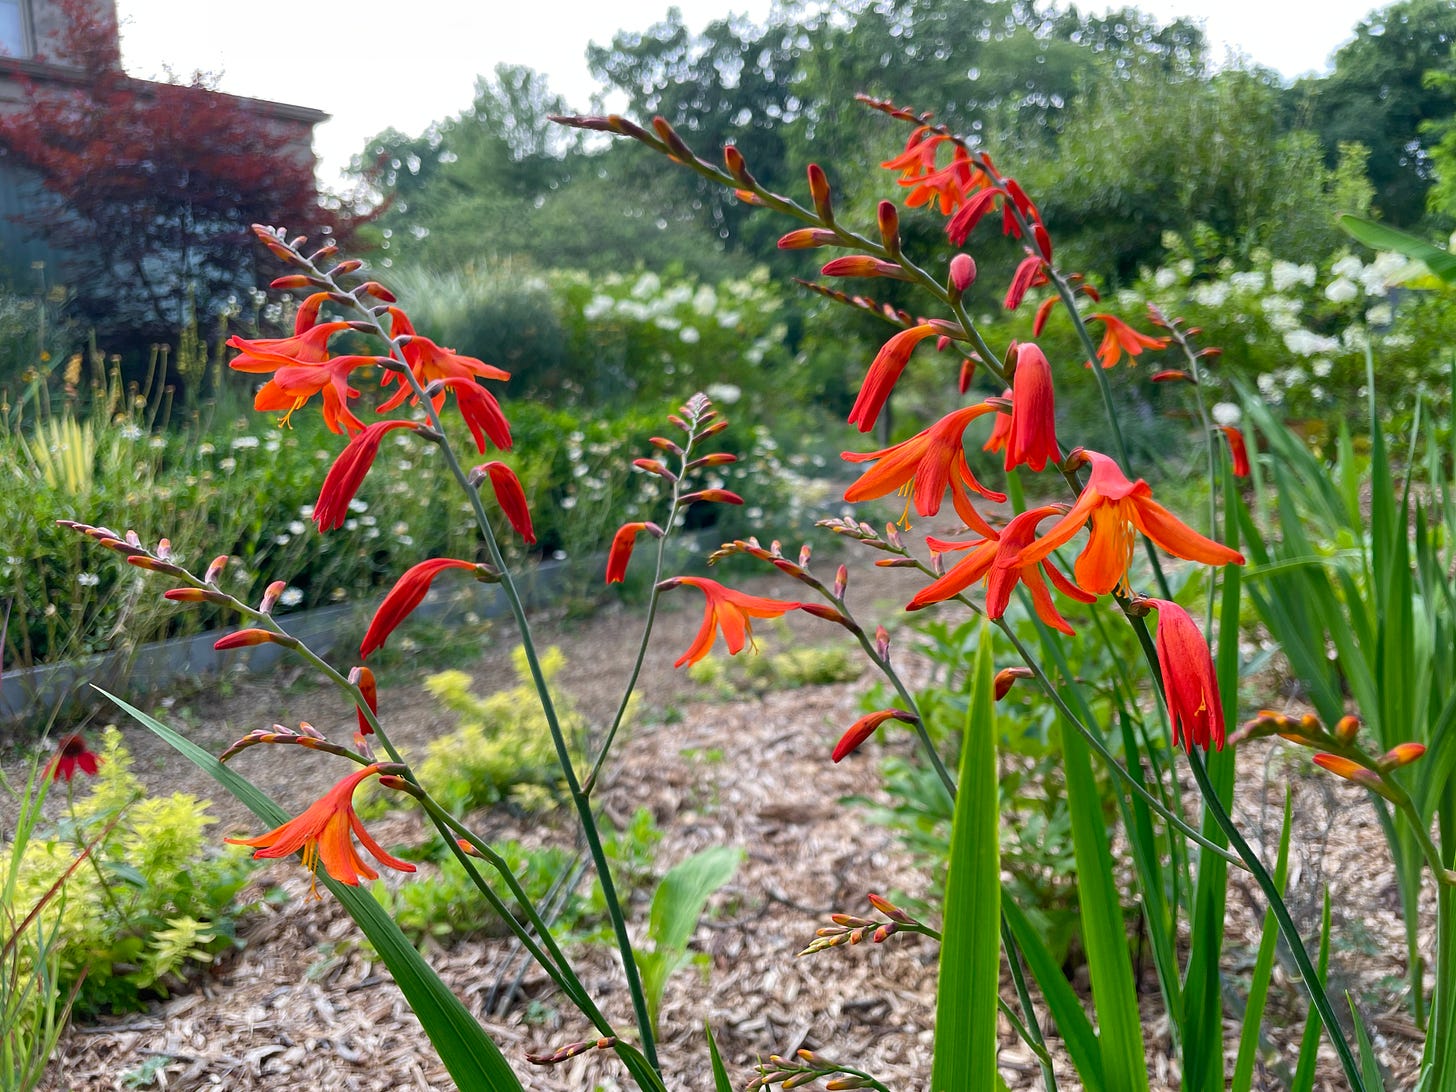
882,642
862,265
841,581
652,466
1007,676
1402,754
1173,375
819,191
962,273
270,596
1347,729
807,239
245,637
888,217
805,553
968,371
214,571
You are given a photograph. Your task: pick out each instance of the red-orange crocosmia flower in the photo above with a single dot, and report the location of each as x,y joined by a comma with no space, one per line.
1001,563
863,728
1031,273
889,362
409,590
363,678
429,362
323,833
511,497
1033,433
933,460
348,472
302,367
731,611
1189,684
621,551
1000,428
1238,451
72,754
1116,508
1119,338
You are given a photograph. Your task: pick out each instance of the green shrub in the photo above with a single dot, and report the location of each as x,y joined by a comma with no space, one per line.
502,749
154,899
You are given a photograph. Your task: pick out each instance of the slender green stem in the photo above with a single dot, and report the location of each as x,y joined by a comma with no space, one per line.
1141,790
1031,1033
659,564
1318,998
579,799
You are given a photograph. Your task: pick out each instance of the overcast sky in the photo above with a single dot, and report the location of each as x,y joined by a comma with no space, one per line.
377,64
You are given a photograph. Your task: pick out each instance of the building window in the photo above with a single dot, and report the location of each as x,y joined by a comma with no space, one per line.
14,29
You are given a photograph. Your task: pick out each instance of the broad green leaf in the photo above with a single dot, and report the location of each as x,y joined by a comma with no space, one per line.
970,951
676,907
1440,262
472,1059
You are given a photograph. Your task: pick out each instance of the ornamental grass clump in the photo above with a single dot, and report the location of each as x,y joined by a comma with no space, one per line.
1096,561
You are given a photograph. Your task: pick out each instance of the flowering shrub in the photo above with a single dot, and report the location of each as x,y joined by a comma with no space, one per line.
1122,577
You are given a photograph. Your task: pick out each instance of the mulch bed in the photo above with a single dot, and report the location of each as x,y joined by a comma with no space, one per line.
302,1006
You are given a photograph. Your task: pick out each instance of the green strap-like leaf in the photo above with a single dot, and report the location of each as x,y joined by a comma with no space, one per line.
1380,237
472,1059
721,1083
1263,968
970,950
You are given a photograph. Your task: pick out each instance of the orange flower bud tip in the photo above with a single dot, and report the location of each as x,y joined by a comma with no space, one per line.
245,637
1402,754
1173,375
184,595
962,272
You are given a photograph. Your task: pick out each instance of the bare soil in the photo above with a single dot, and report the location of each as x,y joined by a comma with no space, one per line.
301,1005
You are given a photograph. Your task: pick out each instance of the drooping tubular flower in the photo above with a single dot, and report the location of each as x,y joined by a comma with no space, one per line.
621,552
1118,508
510,496
1190,686
731,611
865,727
1238,450
347,473
408,592
323,833
1000,428
932,459
1119,338
884,371
1032,438
1001,563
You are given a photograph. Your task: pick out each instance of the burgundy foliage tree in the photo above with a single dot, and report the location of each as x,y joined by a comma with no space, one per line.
150,188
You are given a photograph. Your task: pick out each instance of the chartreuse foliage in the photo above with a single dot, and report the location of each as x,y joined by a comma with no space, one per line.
153,901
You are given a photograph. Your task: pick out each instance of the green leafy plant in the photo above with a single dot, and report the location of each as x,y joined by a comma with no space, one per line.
153,899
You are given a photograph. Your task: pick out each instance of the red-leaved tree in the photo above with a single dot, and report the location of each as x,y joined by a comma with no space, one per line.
149,188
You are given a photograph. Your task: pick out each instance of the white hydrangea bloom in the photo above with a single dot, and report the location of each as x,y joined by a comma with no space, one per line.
1211,293
1322,367
1286,275
725,393
1303,342
690,335
1165,278
1251,280
1382,314
599,306
1341,290
1227,413
647,285
1348,266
